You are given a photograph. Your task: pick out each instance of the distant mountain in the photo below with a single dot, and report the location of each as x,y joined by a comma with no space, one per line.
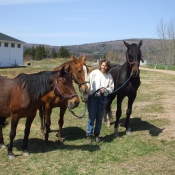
101,48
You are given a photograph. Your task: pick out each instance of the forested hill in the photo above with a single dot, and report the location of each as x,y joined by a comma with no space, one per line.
101,48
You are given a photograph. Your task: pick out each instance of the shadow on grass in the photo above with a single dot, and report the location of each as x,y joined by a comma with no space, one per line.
38,145
136,124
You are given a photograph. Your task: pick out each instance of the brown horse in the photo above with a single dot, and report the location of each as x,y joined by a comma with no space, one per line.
21,97
51,101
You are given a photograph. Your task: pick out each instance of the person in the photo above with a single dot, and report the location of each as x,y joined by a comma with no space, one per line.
100,84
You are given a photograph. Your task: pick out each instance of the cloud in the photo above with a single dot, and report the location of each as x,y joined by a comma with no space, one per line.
9,2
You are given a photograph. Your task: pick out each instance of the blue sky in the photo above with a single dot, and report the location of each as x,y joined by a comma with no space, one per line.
75,22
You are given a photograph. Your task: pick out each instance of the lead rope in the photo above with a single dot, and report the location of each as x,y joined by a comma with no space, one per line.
85,106
112,91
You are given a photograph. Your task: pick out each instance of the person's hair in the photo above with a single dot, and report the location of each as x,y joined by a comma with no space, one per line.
107,63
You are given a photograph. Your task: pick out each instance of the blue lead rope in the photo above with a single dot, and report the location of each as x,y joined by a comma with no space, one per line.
112,91
120,86
100,98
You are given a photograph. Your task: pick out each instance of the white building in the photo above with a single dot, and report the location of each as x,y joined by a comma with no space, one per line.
11,51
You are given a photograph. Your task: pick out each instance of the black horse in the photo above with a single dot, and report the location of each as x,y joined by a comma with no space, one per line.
126,83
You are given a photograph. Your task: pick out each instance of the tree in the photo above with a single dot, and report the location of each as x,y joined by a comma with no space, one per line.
113,56
53,53
63,53
171,43
43,52
38,53
32,52
161,31
47,52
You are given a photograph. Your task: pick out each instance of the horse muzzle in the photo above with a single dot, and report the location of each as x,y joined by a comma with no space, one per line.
73,104
135,73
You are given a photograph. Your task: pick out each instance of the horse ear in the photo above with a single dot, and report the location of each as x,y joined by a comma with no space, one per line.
62,70
74,58
126,44
140,43
83,59
67,67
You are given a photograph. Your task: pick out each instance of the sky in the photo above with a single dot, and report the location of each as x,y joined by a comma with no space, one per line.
76,22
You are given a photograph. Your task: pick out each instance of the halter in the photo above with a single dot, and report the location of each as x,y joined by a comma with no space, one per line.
61,95
77,81
133,62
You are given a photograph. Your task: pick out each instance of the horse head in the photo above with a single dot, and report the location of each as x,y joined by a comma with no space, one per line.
65,89
133,56
80,72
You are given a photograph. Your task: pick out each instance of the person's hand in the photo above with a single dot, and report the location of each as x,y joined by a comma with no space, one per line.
102,90
87,91
85,100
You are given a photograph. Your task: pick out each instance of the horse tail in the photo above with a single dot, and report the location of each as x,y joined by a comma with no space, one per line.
3,122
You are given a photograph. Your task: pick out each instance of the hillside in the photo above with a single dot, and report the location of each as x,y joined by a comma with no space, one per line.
101,48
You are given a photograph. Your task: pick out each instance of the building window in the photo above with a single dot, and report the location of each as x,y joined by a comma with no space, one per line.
12,45
5,44
19,45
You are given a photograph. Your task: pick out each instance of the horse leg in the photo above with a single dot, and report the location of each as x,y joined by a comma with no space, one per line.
48,112
42,119
61,122
29,121
118,114
128,113
2,123
14,123
108,112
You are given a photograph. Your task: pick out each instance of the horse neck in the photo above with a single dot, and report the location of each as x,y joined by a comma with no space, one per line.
72,69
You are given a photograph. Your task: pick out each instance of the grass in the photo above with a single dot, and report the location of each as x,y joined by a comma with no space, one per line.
168,67
146,151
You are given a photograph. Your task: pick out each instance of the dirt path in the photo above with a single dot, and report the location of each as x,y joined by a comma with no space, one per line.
159,70
168,103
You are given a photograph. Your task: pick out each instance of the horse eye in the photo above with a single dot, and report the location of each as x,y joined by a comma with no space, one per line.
64,83
79,71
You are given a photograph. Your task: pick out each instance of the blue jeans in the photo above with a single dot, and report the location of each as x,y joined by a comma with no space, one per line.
96,109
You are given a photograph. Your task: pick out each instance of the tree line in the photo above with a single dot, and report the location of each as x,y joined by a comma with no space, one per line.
41,52
166,34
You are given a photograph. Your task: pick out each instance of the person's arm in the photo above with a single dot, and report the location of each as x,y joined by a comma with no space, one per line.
110,87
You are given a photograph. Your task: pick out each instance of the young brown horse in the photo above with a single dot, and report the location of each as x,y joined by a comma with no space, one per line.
21,97
51,101
127,73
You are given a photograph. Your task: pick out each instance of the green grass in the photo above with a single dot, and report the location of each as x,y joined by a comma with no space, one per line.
146,151
168,67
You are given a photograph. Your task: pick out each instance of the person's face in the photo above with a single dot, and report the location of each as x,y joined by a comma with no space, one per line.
104,67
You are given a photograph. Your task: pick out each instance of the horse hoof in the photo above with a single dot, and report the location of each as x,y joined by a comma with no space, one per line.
42,134
3,146
108,124
116,134
128,132
25,153
11,156
60,140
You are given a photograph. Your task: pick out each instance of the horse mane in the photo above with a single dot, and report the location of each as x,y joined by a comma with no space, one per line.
66,63
37,84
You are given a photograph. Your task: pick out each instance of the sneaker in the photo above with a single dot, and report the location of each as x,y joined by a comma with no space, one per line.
89,140
97,139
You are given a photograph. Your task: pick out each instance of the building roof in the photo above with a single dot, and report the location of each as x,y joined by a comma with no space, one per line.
4,37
